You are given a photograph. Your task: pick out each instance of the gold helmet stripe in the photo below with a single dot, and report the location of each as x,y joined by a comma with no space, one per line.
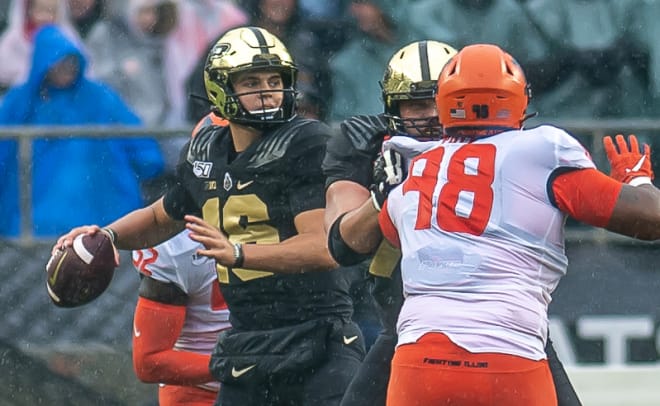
263,45
424,61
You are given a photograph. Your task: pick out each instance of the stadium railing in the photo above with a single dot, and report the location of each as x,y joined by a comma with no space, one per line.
590,130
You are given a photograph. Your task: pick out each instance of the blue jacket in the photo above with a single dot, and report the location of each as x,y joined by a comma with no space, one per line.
75,180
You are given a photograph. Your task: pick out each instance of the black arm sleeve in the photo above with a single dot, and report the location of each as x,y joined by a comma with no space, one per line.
339,250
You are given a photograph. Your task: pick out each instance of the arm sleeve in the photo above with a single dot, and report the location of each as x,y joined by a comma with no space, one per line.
156,329
587,195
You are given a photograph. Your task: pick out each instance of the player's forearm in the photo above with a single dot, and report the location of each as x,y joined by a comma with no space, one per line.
145,227
360,229
342,196
637,213
304,252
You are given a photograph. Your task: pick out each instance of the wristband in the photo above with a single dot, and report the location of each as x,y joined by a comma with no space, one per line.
374,200
112,233
239,258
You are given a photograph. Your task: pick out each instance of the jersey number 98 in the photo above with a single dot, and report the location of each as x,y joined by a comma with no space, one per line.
465,201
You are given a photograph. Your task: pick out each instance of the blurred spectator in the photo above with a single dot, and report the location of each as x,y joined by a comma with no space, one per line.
284,20
645,30
134,53
147,51
330,22
465,22
592,62
357,67
322,10
25,18
100,177
85,13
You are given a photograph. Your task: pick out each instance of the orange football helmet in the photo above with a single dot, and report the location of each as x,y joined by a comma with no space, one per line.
481,91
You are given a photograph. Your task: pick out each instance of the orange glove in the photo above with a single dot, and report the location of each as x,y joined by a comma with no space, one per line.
628,165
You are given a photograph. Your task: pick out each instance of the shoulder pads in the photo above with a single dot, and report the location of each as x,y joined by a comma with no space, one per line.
200,145
363,130
277,143
210,119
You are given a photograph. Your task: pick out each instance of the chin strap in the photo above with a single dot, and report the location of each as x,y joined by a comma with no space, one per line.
528,116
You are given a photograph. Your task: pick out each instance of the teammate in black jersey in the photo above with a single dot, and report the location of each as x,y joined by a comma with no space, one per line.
409,87
253,194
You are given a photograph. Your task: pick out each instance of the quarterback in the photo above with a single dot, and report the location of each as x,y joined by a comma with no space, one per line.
252,193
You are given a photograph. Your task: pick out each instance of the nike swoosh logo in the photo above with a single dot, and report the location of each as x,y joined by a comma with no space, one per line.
349,340
236,373
137,332
53,277
637,166
241,186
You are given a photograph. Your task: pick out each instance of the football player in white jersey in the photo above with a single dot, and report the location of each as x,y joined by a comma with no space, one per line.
480,222
179,313
408,93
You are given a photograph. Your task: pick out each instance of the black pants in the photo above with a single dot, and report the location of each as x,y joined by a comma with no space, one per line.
323,386
369,387
566,395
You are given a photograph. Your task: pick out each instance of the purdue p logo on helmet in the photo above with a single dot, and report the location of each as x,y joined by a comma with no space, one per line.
245,49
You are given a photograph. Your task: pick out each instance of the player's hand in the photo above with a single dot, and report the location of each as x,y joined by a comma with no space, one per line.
388,172
215,242
364,130
67,239
628,164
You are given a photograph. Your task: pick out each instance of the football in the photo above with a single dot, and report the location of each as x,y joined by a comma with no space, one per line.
79,274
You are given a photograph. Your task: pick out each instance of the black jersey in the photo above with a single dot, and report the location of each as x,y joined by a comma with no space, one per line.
254,197
352,150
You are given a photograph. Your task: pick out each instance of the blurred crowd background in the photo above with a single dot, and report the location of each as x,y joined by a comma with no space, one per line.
584,58
140,62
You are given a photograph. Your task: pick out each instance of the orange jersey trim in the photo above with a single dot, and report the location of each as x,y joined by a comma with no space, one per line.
207,120
156,329
587,195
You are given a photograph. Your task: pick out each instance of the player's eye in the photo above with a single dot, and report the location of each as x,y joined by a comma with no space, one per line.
275,82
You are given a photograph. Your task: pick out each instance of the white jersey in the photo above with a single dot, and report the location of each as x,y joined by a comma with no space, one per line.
175,261
482,243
